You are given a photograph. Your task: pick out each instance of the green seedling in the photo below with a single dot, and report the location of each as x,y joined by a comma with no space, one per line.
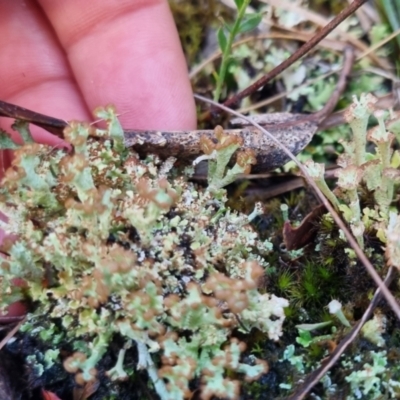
226,35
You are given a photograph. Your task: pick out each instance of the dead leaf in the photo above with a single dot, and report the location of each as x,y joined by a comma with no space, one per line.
296,238
49,395
83,393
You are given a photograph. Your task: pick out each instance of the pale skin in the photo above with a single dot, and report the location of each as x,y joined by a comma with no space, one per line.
64,58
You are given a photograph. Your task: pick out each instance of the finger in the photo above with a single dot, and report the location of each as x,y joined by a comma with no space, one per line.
127,52
34,72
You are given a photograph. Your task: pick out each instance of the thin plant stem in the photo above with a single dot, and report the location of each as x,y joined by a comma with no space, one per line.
227,51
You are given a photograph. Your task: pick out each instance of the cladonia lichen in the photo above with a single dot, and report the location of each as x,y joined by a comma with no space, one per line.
110,244
376,172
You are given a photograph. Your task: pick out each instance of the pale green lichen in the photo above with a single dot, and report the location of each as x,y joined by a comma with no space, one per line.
335,308
358,116
109,244
368,381
316,172
374,329
393,240
366,196
376,172
220,154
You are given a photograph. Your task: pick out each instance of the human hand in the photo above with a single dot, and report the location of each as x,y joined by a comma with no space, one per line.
64,58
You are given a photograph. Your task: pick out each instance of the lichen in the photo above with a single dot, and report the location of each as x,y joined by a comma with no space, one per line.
376,172
371,380
366,196
111,245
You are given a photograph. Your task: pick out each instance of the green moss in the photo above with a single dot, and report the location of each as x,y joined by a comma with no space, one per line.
286,280
315,285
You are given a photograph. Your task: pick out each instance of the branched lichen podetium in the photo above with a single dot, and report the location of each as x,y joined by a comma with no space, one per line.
110,244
